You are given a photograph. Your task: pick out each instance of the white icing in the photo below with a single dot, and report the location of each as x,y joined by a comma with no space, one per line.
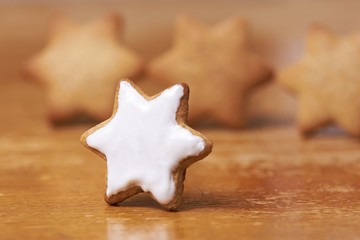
143,143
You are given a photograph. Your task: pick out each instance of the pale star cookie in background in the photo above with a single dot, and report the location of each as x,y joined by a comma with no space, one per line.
219,66
326,81
147,144
80,66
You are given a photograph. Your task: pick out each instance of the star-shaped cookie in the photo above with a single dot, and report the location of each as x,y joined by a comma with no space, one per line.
80,66
147,144
218,65
327,81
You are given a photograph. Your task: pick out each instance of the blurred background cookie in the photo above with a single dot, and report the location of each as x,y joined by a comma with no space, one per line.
327,81
218,64
80,66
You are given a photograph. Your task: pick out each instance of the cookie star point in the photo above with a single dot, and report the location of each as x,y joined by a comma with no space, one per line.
147,144
319,39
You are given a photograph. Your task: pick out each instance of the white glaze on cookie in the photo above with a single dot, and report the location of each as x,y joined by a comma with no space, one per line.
143,143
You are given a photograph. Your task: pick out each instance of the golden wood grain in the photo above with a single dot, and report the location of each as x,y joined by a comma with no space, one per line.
257,184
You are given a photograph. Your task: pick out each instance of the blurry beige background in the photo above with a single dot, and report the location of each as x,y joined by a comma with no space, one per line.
279,29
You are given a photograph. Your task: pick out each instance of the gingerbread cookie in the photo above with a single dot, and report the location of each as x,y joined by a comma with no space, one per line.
327,81
80,66
218,65
147,144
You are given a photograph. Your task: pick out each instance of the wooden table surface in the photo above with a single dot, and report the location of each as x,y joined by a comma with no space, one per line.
260,183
